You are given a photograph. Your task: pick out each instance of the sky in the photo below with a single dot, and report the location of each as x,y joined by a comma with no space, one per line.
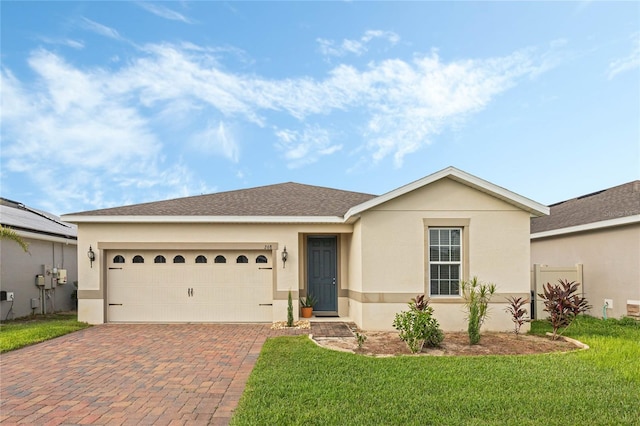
113,103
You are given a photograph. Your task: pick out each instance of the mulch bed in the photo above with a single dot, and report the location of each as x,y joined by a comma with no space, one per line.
381,343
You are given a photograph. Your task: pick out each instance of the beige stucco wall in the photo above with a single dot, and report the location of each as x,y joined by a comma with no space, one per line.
355,273
286,278
611,263
394,251
381,256
450,316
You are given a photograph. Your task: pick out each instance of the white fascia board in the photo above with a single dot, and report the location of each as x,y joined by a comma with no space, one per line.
203,219
536,209
44,237
587,227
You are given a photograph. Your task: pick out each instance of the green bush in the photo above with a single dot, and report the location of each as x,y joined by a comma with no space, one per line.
477,296
417,327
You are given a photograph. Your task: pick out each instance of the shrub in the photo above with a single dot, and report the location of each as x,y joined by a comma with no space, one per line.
290,311
434,335
360,338
518,313
417,327
477,296
563,303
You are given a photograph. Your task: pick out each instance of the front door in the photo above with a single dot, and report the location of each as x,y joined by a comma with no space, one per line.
322,273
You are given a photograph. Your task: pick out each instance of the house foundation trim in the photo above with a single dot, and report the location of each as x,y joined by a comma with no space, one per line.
90,294
406,297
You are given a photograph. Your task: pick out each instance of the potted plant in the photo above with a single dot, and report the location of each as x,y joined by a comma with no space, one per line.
307,303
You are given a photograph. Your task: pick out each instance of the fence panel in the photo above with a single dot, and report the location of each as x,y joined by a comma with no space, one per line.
542,274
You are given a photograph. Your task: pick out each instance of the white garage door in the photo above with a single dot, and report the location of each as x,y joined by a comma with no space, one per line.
189,286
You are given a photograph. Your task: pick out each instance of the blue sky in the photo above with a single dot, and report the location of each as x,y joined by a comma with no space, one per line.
113,103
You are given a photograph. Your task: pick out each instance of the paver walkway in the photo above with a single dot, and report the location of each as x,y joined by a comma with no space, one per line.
131,374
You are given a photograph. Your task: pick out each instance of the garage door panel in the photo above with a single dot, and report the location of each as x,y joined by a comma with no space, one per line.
198,274
190,291
169,274
236,313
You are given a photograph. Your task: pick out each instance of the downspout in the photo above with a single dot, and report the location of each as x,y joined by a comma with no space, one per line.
604,310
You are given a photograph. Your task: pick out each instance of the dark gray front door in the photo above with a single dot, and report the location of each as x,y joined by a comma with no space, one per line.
322,272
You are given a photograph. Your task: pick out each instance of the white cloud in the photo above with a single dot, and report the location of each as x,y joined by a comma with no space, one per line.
76,139
97,133
217,139
627,63
410,102
356,47
302,147
167,73
76,44
98,28
164,12
390,36
14,102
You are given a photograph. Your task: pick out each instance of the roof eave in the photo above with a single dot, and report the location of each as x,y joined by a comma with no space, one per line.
65,239
534,208
202,219
621,221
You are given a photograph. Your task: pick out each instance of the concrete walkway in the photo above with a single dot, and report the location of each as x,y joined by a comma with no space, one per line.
131,374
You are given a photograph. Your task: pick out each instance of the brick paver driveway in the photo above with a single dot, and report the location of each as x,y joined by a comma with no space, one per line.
132,374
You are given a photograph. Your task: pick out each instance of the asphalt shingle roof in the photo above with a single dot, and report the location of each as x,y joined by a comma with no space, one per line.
617,202
285,199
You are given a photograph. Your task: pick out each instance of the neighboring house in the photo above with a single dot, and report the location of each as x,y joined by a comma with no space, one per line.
601,231
220,257
52,244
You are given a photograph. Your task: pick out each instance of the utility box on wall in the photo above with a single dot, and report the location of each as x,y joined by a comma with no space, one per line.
28,276
62,276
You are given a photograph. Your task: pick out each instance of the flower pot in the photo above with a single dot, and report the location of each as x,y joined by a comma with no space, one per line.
306,311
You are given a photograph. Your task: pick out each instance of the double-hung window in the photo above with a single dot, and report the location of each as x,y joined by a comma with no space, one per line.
445,261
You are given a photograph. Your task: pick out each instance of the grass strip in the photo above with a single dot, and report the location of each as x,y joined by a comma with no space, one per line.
296,382
23,332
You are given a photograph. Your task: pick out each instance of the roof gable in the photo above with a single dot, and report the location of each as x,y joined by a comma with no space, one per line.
534,208
616,205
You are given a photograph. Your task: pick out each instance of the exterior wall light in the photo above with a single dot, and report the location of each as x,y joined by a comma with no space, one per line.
91,255
285,256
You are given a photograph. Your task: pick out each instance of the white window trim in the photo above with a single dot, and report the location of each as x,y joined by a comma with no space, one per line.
460,223
459,263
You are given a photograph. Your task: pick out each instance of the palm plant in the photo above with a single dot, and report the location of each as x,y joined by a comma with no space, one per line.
10,234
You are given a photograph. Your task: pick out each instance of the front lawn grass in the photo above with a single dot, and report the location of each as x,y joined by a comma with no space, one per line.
23,332
296,382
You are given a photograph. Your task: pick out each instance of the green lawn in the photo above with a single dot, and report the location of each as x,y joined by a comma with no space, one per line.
296,382
23,332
